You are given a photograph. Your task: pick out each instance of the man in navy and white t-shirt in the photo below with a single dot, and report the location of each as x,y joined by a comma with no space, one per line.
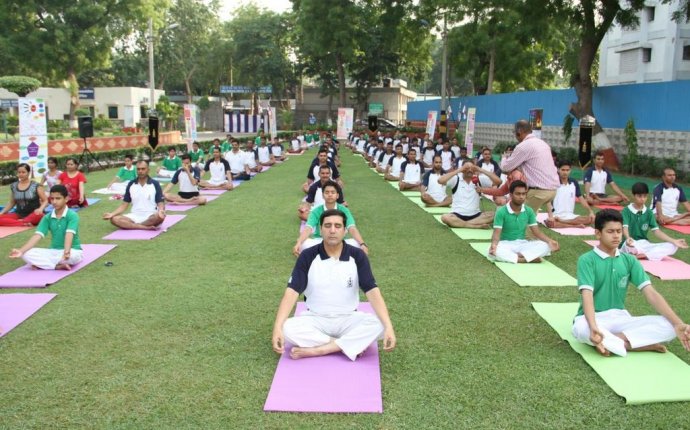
667,195
330,276
411,172
562,211
188,178
433,193
596,178
465,209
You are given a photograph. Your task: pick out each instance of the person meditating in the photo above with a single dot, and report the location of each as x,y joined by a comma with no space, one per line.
148,204
667,197
561,212
74,181
466,207
221,176
63,225
411,171
126,173
603,276
188,177
595,179
330,276
432,191
50,177
27,198
171,164
508,242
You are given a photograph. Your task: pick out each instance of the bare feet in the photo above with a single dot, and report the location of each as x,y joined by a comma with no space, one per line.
297,352
63,266
657,347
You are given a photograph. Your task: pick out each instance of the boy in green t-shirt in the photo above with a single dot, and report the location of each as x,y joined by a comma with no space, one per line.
171,164
63,225
196,155
638,219
124,175
603,275
508,242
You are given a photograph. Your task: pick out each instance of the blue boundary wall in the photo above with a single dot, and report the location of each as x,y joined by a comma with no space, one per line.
655,106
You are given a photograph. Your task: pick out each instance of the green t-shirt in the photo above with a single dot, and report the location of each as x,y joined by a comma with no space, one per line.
172,164
608,278
638,222
197,155
127,175
513,224
316,138
308,138
224,147
58,227
315,217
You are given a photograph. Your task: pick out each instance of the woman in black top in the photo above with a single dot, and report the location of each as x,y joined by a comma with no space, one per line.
27,198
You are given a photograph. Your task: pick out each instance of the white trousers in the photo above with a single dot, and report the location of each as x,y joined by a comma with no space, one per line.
507,250
352,333
653,251
47,259
163,173
640,331
315,241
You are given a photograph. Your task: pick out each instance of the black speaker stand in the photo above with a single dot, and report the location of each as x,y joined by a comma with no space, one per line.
86,154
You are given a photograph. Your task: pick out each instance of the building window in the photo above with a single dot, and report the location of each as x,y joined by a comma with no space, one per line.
112,112
649,12
646,55
686,53
629,61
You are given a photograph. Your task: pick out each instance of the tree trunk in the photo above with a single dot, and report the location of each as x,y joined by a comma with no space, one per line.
341,79
188,89
492,67
330,106
73,87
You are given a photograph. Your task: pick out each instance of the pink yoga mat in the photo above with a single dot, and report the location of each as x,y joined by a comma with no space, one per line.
569,231
668,269
184,208
8,231
26,277
16,308
331,383
685,229
212,192
170,220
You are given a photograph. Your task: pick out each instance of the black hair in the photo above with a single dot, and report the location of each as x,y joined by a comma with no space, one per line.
60,189
398,146
639,188
510,147
215,148
606,215
598,154
195,143
517,184
331,184
72,159
185,157
24,166
332,212
324,167
562,163
144,161
53,159
323,149
130,156
172,148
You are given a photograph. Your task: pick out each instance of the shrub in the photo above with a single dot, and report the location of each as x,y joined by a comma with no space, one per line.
20,85
570,154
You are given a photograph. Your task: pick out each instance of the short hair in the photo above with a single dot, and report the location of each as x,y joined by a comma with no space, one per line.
510,147
235,140
411,150
215,148
598,154
463,148
195,143
331,184
216,140
437,156
185,157
143,161
60,189
562,163
397,146
666,169
332,212
172,148
52,159
605,216
129,156
523,126
322,149
640,188
517,184
467,161
325,167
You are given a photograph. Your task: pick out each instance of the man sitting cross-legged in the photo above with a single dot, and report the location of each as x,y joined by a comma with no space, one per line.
251,157
148,204
124,175
221,175
170,165
596,178
603,275
411,172
63,225
562,211
330,276
508,242
466,210
638,219
237,160
392,172
384,158
667,196
315,194
433,192
330,196
188,177
277,150
264,154
313,172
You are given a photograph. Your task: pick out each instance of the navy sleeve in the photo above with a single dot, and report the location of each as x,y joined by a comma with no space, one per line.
421,168
334,170
310,173
311,195
341,196
609,176
300,273
656,194
225,164
402,166
497,168
207,166
127,198
196,173
681,195
588,175
425,180
256,154
176,176
390,160
366,277
578,193
159,192
381,157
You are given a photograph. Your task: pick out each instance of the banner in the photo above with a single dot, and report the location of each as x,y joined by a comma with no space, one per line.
242,123
535,119
469,131
345,120
272,123
129,116
190,124
33,135
431,123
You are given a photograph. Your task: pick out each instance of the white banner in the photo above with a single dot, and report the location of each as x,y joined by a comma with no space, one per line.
33,134
272,123
190,124
129,116
431,123
469,131
345,121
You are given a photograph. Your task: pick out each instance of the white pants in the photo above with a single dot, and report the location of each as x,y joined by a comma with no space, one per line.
566,216
163,173
139,217
353,333
315,241
640,331
653,251
507,250
47,259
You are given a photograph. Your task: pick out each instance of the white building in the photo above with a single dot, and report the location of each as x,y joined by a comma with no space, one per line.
658,50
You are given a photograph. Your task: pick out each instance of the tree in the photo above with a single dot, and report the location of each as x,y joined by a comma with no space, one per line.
20,85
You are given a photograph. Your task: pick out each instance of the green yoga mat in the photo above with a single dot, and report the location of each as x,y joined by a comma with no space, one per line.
432,210
639,377
543,274
469,233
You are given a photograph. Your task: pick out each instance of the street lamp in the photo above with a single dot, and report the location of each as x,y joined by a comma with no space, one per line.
152,105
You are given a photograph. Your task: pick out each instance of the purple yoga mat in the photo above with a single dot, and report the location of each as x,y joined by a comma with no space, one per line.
331,383
184,208
170,220
26,277
212,192
16,308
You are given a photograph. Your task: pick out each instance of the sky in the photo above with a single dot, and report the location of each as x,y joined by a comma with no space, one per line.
227,6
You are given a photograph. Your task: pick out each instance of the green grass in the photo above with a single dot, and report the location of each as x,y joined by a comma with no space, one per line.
176,334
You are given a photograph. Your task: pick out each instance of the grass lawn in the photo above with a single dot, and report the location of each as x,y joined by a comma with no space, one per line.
176,334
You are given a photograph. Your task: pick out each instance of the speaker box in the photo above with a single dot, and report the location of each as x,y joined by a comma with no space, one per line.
373,122
153,131
85,126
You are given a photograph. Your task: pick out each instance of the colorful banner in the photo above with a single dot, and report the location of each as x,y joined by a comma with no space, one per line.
33,135
273,122
190,124
535,119
345,121
469,130
431,123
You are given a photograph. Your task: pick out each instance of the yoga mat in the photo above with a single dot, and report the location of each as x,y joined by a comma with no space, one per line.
169,221
184,207
616,207
668,269
569,231
432,210
104,191
161,179
26,277
8,231
544,274
639,377
92,201
213,192
16,308
331,383
469,233
685,229
407,193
